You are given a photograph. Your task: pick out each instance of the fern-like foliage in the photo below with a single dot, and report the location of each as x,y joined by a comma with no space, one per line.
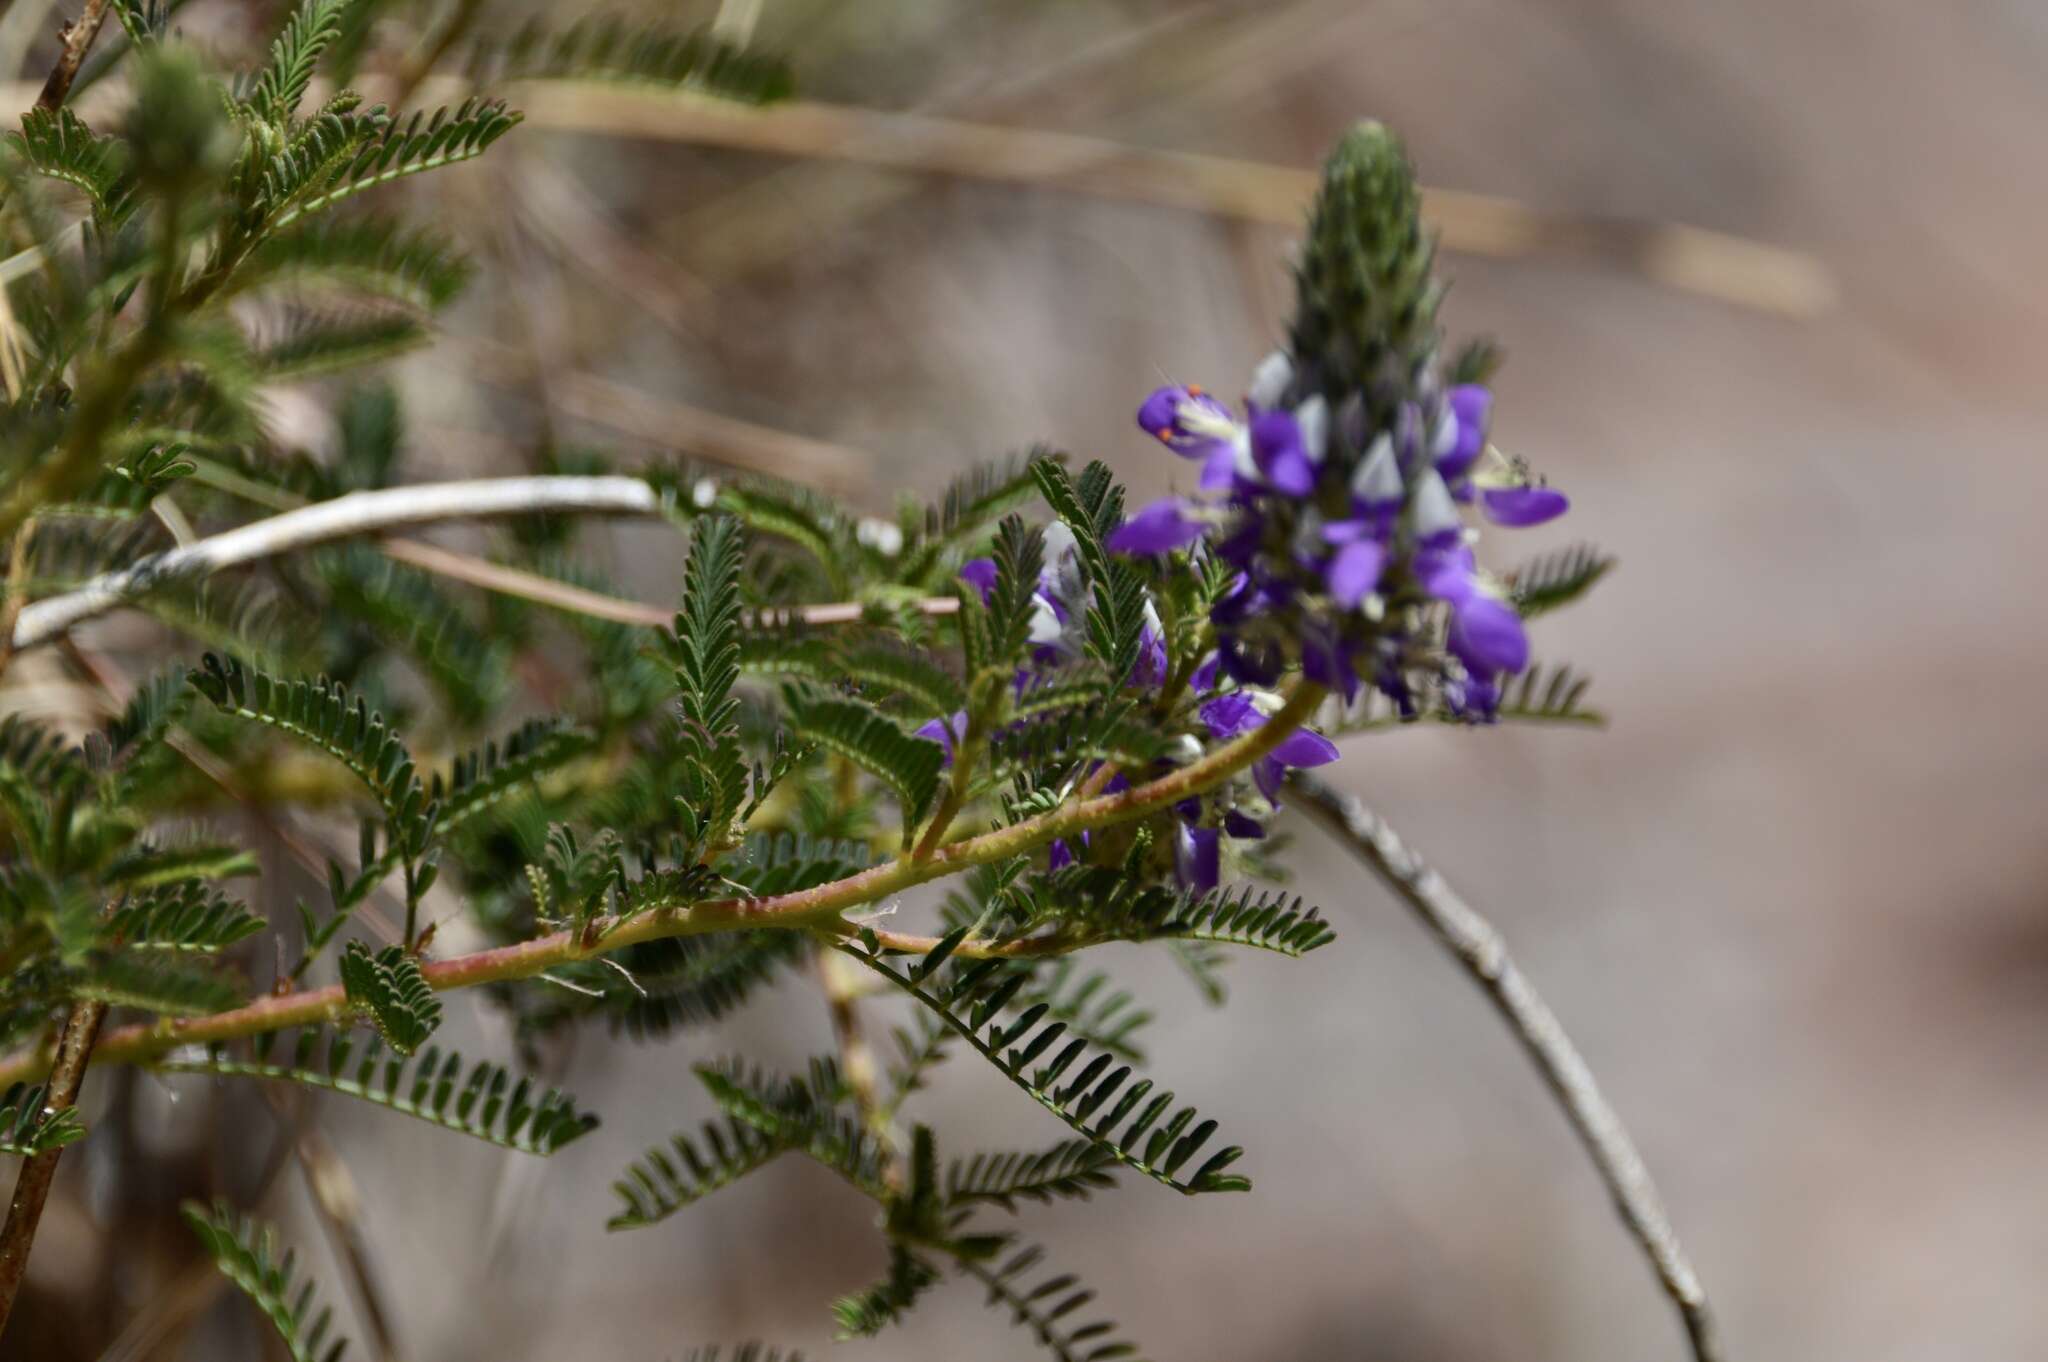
712,783
246,1252
1549,695
765,1117
185,915
653,54
481,778
484,1100
27,1128
325,714
312,28
396,150
389,990
155,982
1093,1095
871,740
744,1352
867,1313
1070,1170
1048,1307
1557,579
419,267
664,1180
57,143
1092,508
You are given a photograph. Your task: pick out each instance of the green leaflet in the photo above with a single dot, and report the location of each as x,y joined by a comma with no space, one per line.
389,990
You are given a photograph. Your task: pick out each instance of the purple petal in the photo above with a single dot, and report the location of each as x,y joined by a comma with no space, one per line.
1161,526
1519,506
1269,775
1058,856
1447,573
1354,571
1305,747
1277,450
1159,413
1243,826
1232,714
1471,405
1204,679
1219,466
945,732
1150,668
1487,635
1197,858
1326,661
980,573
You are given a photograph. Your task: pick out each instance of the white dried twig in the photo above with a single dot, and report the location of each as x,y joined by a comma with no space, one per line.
1480,948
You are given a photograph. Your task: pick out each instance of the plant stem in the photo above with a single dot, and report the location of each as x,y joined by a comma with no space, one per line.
816,908
77,38
1479,947
32,1184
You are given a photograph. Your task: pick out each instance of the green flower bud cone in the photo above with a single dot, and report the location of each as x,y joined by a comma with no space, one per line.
1365,317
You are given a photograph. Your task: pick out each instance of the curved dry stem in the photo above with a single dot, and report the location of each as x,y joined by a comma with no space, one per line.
1480,948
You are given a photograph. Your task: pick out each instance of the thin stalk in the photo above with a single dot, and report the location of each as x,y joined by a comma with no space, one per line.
1479,947
32,1184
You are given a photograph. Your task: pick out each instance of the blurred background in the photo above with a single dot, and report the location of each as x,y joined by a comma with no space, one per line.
1769,280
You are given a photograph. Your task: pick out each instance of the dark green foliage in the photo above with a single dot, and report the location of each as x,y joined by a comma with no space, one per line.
765,1116
666,1180
891,670
1072,1169
712,781
871,740
408,609
1019,557
312,342
421,268
312,28
487,775
182,916
1092,508
484,1101
125,489
1549,695
1366,299
867,1313
145,865
1046,1307
615,49
388,990
325,714
57,143
398,149
246,1253
1089,1002
27,1129
1557,579
1095,1099
154,984
745,1352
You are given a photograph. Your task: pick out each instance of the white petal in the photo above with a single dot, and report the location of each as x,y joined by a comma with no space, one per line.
1446,438
1313,417
1435,512
1378,479
1270,380
1045,623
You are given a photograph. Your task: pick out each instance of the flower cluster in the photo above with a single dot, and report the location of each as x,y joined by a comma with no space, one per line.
1344,532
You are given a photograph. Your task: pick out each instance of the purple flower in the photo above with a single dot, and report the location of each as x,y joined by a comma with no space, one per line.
1184,418
1520,506
1163,525
1198,857
1243,826
1150,668
1354,570
1281,454
947,732
980,573
1461,429
1229,716
1486,634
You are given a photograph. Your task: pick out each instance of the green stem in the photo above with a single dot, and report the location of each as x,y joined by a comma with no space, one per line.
808,909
